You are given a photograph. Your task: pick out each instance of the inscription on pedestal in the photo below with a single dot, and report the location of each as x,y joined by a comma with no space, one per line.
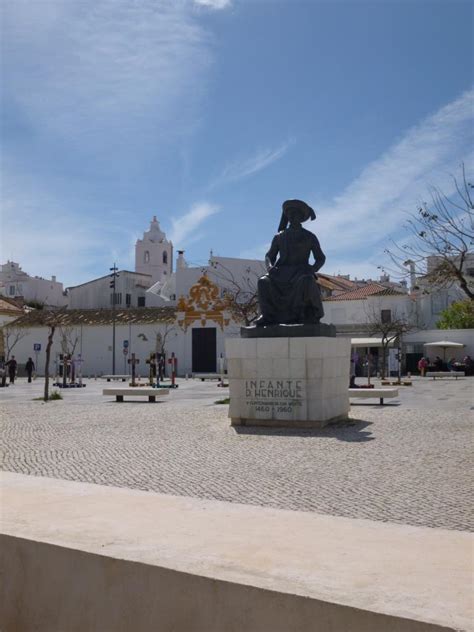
275,396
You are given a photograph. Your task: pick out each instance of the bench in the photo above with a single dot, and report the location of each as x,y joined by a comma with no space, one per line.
152,393
396,383
381,393
435,374
122,378
207,376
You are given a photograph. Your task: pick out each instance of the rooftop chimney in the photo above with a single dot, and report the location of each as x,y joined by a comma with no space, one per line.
180,262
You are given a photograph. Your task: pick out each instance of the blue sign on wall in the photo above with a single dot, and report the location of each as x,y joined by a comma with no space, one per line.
36,346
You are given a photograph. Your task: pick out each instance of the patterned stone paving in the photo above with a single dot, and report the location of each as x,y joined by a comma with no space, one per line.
410,462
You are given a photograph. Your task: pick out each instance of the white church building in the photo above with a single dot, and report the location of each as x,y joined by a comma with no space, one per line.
154,253
153,264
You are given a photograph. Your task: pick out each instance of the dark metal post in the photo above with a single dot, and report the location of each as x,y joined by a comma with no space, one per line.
113,276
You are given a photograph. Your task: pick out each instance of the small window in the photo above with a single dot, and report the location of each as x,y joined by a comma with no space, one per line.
146,257
386,315
128,300
141,301
12,290
165,257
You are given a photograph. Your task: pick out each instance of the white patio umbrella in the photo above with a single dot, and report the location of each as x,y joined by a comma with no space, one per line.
445,344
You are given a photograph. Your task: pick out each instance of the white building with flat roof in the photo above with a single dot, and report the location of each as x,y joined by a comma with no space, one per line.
15,283
130,291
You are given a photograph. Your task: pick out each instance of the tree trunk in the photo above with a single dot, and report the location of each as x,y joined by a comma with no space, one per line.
52,329
384,361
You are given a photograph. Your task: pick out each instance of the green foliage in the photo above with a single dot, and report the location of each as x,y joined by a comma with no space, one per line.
226,400
459,315
54,395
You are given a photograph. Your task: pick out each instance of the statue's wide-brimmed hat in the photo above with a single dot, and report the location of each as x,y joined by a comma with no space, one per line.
306,211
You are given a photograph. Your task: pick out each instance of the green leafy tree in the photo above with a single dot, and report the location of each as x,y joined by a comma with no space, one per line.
459,315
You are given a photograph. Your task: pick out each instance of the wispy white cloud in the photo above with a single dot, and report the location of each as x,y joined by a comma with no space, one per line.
97,85
355,226
214,4
106,73
374,206
245,167
184,228
46,238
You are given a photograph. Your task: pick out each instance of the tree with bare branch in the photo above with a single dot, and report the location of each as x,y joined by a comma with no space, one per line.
11,337
161,335
69,339
443,230
389,326
51,319
239,293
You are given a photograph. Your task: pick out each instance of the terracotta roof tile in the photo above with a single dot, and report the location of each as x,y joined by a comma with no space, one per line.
371,289
10,306
69,317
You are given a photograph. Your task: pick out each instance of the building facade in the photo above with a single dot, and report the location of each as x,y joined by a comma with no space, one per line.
17,284
130,291
154,253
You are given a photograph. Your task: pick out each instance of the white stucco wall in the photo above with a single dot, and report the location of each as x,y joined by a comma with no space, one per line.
150,252
95,346
97,293
14,282
358,311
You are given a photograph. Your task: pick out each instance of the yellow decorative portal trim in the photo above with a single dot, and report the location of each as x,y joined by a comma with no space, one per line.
203,304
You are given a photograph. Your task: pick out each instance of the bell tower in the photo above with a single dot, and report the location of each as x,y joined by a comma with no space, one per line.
154,253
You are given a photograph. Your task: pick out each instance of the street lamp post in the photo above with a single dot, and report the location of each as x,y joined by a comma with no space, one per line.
114,276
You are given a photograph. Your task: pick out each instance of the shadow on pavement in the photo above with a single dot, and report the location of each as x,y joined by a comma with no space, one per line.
352,431
391,405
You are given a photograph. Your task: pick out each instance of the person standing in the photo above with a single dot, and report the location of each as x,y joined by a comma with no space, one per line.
12,367
29,367
422,364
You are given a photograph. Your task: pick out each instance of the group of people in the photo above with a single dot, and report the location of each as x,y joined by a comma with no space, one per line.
11,367
439,365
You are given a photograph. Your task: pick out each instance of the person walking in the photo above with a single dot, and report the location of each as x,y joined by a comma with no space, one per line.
422,364
12,367
29,367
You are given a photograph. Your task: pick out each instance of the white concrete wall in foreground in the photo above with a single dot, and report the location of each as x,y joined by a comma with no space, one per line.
121,560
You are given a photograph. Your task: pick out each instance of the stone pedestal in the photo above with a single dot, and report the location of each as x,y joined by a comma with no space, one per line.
288,382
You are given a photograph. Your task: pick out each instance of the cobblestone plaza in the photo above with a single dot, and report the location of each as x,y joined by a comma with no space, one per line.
406,462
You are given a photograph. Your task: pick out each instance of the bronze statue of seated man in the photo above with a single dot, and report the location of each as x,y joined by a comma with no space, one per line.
288,293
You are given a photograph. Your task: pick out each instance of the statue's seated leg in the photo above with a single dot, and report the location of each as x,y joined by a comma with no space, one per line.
267,317
312,304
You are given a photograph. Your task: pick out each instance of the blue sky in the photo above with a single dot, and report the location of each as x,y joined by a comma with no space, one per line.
210,113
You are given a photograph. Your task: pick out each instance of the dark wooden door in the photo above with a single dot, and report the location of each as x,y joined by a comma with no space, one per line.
204,350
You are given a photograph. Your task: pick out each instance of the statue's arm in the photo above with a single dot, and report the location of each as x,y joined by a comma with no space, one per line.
272,254
318,254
